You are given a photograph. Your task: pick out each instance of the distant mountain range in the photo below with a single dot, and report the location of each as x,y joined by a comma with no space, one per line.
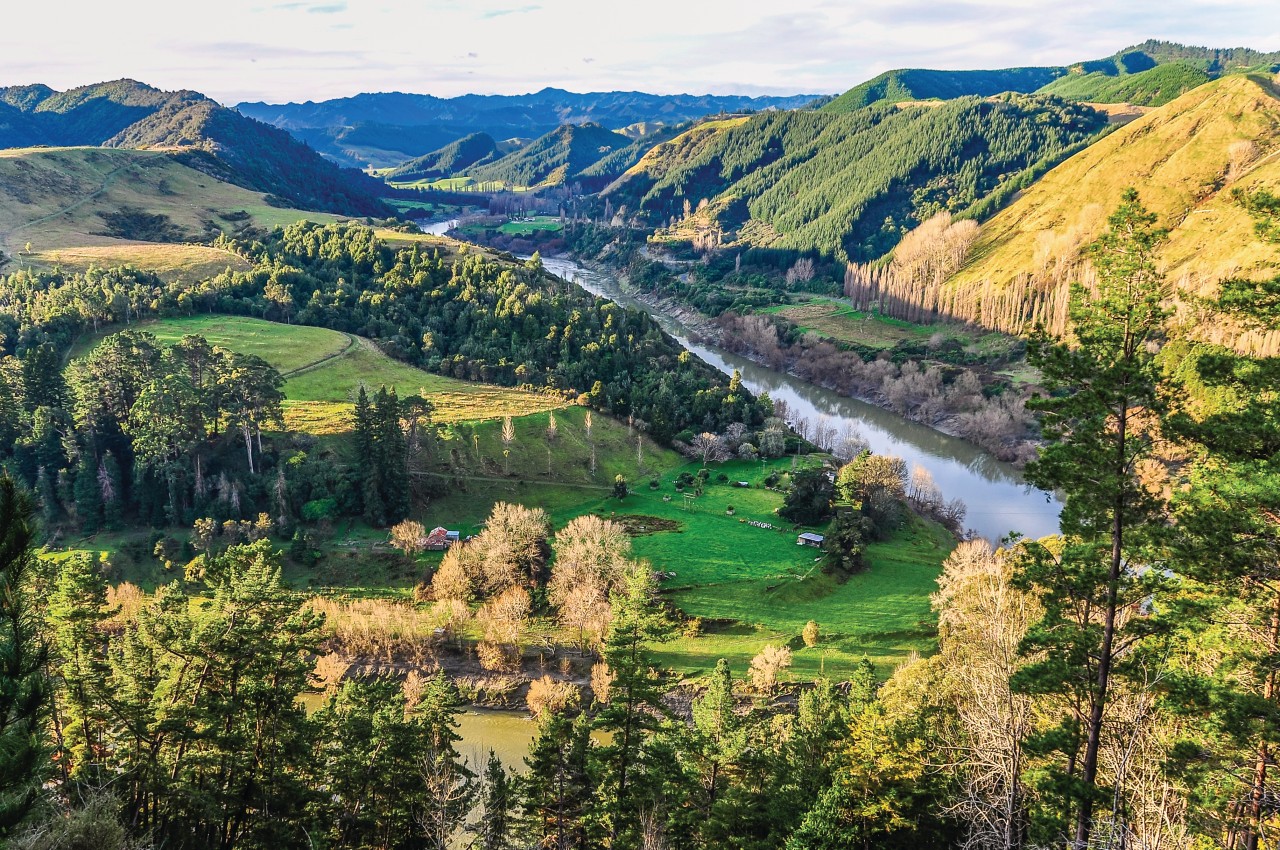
388,129
204,135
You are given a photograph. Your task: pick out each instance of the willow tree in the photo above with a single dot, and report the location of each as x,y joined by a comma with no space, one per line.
1100,421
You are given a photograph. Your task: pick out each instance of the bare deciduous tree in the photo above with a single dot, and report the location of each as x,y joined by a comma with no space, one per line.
409,537
767,666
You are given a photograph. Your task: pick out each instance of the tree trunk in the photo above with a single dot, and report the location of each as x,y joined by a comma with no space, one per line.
1098,701
248,445
1256,798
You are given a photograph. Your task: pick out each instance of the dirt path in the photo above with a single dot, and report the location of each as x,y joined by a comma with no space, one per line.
108,180
352,342
496,480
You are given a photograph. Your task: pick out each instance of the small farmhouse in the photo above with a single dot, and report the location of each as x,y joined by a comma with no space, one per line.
440,539
810,539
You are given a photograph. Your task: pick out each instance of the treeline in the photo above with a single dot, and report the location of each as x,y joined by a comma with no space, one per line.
473,318
136,432
849,185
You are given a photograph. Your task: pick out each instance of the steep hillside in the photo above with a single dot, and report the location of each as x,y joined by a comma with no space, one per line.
1185,159
913,84
1152,87
453,158
211,138
386,129
604,171
78,207
848,184
558,157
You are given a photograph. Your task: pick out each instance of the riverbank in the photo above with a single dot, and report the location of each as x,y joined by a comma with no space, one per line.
999,500
957,401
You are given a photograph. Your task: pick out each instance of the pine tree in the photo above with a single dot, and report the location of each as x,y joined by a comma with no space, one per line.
47,492
1099,420
110,487
635,701
495,822
88,495
24,688
76,613
557,789
1227,533
393,454
42,377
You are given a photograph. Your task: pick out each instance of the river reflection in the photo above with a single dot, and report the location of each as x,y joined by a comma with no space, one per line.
998,499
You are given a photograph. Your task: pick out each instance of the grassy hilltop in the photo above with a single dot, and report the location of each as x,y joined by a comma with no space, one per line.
108,207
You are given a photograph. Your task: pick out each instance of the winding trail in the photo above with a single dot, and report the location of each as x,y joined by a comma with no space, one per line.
108,180
352,342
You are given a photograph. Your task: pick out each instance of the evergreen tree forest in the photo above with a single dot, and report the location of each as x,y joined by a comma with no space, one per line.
849,185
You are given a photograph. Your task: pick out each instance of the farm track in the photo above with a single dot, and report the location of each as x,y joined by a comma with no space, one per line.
352,342
108,180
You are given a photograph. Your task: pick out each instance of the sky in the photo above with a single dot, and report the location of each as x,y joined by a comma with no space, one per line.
296,50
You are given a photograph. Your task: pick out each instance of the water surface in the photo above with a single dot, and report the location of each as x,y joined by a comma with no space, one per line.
998,499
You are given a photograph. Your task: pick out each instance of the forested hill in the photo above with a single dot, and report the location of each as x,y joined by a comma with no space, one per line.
207,136
912,84
1206,164
453,158
1147,74
848,184
386,129
558,157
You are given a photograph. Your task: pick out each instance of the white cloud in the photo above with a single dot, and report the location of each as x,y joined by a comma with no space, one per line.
314,49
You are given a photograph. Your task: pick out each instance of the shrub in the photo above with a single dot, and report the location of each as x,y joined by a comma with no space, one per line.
318,510
810,633
546,695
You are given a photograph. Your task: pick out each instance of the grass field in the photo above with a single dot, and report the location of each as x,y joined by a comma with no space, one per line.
752,585
839,321
532,225
325,368
54,199
459,184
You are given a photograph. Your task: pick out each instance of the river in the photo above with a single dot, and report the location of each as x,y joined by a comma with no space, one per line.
998,499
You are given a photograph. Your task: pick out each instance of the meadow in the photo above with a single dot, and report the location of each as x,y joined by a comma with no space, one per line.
749,585
525,227
325,368
55,200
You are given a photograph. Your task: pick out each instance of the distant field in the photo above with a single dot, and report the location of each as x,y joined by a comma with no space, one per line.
56,198
459,184
325,369
533,225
